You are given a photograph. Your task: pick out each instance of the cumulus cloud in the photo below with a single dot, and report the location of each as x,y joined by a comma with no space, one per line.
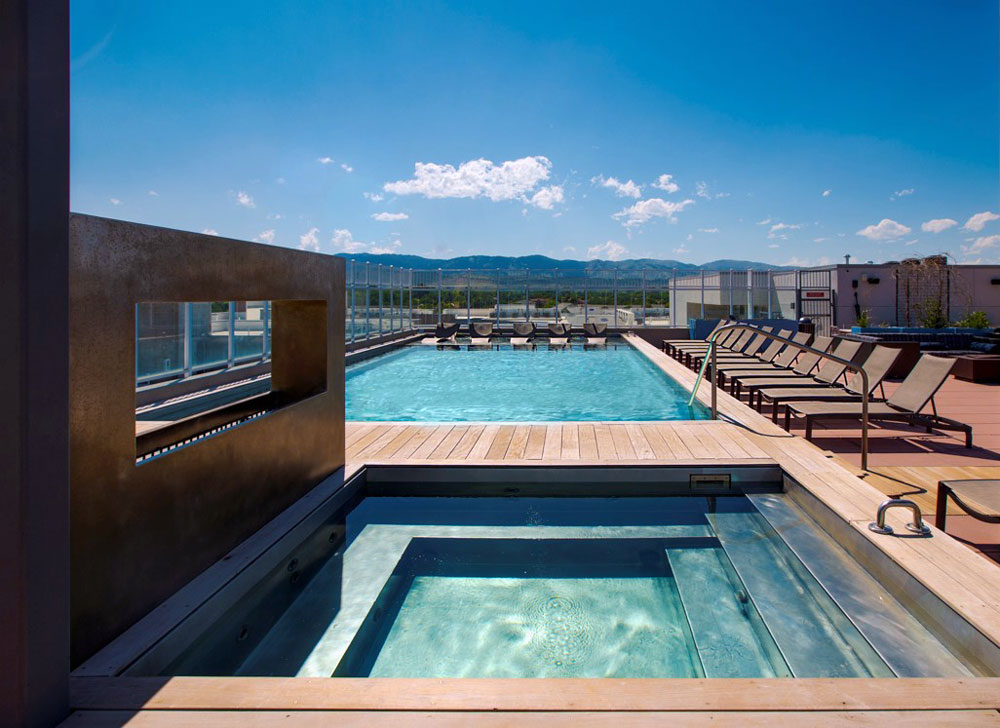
273,216
546,197
373,196
347,168
701,189
114,201
209,231
885,230
826,193
774,245
344,241
153,193
776,228
390,216
765,221
309,240
569,249
645,210
516,179
393,247
666,183
265,236
979,220
609,250
938,224
982,244
708,230
325,160
244,200
901,193
622,189
682,249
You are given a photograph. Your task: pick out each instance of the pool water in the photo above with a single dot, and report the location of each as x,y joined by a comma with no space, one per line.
631,587
506,384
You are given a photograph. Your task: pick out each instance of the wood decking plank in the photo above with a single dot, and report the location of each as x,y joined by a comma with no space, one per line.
466,442
536,443
640,445
623,445
518,442
588,442
438,433
483,444
553,443
570,442
498,449
605,444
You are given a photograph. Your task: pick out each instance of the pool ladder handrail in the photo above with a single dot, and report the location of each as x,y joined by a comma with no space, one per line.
916,526
712,360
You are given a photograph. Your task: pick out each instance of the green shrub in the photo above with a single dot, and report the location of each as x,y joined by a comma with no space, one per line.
974,320
865,318
930,314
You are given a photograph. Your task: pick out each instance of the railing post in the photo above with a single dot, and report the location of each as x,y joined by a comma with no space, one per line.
586,301
715,383
730,293
672,291
527,301
354,300
643,296
440,310
188,340
267,328
702,293
498,298
614,308
232,333
368,300
391,318
770,285
410,281
555,280
378,284
468,296
749,294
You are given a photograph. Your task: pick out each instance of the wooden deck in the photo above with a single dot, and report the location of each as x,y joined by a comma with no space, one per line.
962,579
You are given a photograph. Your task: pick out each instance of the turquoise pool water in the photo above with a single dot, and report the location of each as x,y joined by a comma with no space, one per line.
427,384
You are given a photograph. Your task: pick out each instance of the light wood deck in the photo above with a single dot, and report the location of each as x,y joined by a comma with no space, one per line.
962,579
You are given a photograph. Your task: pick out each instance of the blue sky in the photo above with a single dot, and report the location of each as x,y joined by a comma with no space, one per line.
785,132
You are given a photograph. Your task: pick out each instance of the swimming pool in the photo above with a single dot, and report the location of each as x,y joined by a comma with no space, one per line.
738,585
505,384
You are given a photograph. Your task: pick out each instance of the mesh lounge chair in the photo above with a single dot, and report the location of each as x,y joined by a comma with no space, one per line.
877,365
481,333
749,353
523,334
828,373
804,364
732,342
979,498
905,404
446,332
596,334
728,371
558,334
670,346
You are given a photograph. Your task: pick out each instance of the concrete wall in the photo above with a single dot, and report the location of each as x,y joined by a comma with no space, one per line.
970,290
139,532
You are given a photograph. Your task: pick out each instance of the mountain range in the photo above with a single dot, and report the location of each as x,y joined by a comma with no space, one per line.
533,262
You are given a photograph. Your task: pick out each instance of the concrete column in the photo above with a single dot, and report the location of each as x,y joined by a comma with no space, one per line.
34,362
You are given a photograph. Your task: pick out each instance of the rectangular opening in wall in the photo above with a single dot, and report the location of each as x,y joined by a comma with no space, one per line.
203,367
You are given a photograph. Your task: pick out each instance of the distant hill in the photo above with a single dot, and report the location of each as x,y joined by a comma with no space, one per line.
541,261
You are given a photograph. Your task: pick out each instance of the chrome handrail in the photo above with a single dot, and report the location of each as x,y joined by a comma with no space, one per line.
711,357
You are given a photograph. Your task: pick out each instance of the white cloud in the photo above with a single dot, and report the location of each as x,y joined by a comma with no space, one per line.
885,230
912,242
325,160
309,240
114,201
901,193
701,189
569,249
347,168
774,245
646,210
682,249
512,180
546,197
826,193
390,216
765,221
666,183
209,231
273,216
938,224
708,230
820,240
373,196
776,228
622,189
244,200
982,244
979,220
806,262
153,193
383,250
265,236
607,251
344,241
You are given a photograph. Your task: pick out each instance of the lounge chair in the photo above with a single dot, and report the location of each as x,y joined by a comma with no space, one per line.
523,334
558,334
670,346
445,333
876,366
905,404
596,334
730,371
481,333
752,346
731,342
805,362
979,498
828,373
